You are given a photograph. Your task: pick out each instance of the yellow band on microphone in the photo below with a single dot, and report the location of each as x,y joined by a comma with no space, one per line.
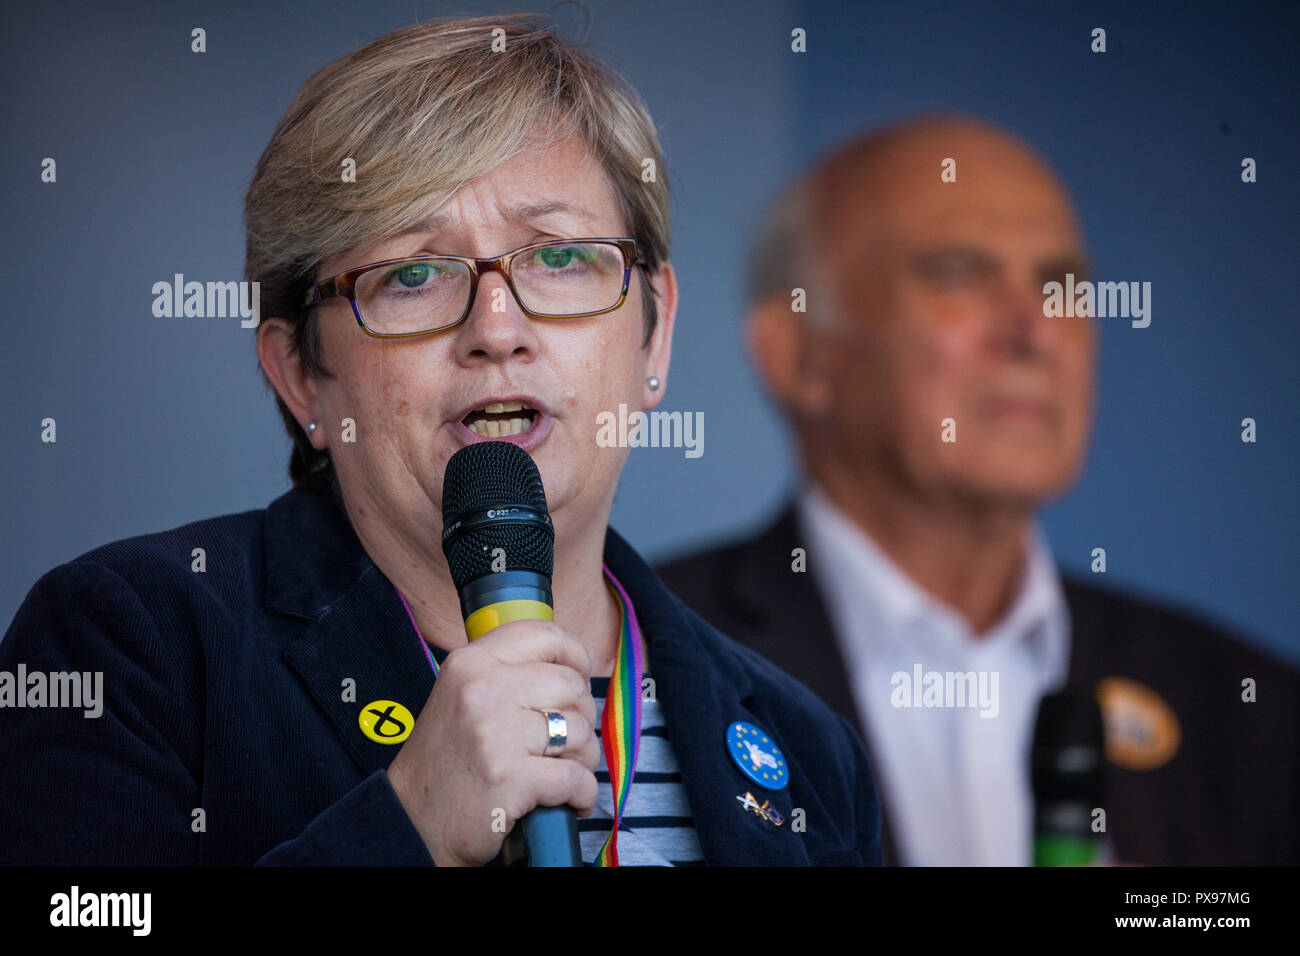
502,612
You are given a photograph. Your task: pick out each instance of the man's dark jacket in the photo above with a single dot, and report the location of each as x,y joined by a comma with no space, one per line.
225,693
1229,795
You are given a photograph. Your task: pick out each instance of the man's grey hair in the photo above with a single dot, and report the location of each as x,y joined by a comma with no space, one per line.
786,255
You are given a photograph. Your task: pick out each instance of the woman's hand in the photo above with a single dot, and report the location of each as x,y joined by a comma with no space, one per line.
475,753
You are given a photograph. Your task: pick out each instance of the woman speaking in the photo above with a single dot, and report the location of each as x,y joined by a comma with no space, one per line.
460,232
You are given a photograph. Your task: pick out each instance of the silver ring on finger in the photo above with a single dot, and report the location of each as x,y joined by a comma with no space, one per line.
557,730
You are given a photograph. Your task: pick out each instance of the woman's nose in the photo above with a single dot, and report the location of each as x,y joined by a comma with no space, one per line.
496,327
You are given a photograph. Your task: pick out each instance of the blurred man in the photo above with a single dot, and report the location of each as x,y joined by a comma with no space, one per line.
936,407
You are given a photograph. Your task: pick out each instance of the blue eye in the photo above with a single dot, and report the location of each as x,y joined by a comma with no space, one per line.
412,274
559,257
555,256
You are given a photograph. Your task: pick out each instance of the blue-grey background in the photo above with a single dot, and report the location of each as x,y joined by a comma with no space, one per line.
162,421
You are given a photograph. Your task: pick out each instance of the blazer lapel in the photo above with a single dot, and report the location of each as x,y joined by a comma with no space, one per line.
317,572
699,705
786,621
364,637
702,689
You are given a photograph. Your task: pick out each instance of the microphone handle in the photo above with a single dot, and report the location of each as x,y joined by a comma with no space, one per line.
550,837
1063,835
546,836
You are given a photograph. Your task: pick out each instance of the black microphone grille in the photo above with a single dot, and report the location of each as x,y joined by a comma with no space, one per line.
487,474
482,477
1068,717
1068,753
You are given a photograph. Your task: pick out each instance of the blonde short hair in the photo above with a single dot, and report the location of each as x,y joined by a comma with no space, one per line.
422,111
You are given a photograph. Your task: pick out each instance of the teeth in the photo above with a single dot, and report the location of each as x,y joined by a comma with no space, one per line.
490,428
505,407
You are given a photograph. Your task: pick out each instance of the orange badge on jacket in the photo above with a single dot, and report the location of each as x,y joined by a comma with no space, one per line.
1142,731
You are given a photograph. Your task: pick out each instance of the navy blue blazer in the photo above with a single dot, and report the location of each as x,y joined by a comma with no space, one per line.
224,693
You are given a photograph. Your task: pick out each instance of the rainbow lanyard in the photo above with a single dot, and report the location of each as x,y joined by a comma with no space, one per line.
620,724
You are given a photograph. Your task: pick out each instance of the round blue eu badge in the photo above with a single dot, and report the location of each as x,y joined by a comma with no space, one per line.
757,756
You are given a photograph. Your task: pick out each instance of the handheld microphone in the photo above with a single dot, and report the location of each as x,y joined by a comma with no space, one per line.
1067,767
500,546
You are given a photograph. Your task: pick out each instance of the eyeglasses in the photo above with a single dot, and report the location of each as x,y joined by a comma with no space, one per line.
416,295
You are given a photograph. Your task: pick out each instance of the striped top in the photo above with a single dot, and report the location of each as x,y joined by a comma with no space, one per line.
657,826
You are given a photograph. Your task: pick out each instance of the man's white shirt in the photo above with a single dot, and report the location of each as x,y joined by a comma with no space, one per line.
954,779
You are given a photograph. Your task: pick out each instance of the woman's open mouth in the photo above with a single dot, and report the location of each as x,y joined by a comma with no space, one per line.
501,419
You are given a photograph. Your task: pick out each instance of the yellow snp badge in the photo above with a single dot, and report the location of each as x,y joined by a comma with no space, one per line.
1142,731
386,722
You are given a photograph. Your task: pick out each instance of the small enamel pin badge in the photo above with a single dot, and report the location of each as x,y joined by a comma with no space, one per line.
747,802
386,722
757,756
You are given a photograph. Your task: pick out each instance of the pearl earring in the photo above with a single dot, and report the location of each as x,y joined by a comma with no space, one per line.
311,427
653,383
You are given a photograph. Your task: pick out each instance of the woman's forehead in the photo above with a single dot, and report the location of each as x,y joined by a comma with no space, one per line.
561,182
554,212
561,191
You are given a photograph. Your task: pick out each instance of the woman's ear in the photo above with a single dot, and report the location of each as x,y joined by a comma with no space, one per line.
660,351
297,389
788,357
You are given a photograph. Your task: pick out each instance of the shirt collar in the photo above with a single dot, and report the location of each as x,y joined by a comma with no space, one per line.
852,567
1039,615
859,578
